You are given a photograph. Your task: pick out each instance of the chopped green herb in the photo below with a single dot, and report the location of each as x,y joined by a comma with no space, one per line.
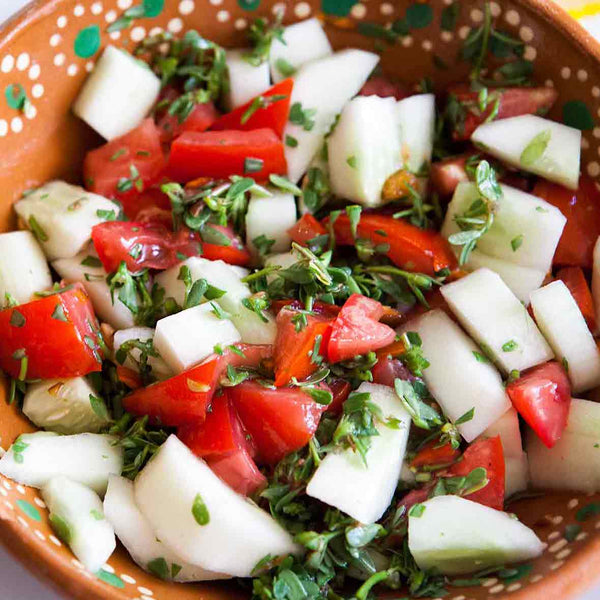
91,261
263,245
482,358
200,511
509,346
17,319
253,165
468,416
285,67
59,313
351,162
159,568
535,148
302,117
37,230
417,511
291,141
516,242
283,183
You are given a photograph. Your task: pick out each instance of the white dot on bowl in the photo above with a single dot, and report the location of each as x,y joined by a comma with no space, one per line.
279,8
582,75
558,546
223,16
108,568
72,70
40,535
55,540
495,9
581,536
593,169
110,16
549,83
23,61
573,503
23,522
138,34
302,10
40,502
557,565
145,591
79,10
61,22
536,578
407,41
3,492
553,535
447,36
585,144
564,553
497,589
16,124
476,15
490,582
59,59
463,32
565,72
596,91
34,72
216,2
89,66
512,17
526,33
124,4
427,45
114,35
96,8
513,587
530,53
37,91
144,597
155,31
8,62
387,9
186,7
175,25
7,485
55,39
240,24
127,578
20,489
77,564
358,11
448,2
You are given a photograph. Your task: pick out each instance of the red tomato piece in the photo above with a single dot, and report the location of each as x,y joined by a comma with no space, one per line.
387,370
542,396
357,330
279,420
129,377
238,471
410,248
448,173
488,454
272,115
234,253
434,455
294,348
200,119
341,390
305,229
582,210
575,280
58,335
127,165
220,154
382,86
139,204
321,308
513,102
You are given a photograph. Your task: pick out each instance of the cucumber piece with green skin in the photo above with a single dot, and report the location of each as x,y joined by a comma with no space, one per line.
62,215
416,120
66,406
560,320
246,81
252,328
497,321
23,267
138,537
89,458
302,42
459,376
86,268
453,536
117,95
159,367
364,149
573,463
323,86
77,516
364,492
202,519
546,148
526,229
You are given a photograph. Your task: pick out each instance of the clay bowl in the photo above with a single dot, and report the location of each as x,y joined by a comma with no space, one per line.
38,52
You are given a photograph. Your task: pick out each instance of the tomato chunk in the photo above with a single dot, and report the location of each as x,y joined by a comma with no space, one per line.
233,251
305,229
279,420
382,86
488,454
271,114
357,330
55,336
410,248
126,166
200,119
299,347
446,174
582,210
435,455
512,103
542,396
341,390
388,369
575,280
219,154
238,471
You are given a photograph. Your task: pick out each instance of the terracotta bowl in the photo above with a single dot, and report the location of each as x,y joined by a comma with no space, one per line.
49,48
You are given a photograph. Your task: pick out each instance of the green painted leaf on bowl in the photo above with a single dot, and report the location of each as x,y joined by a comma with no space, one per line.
419,16
577,114
110,578
87,42
30,510
337,8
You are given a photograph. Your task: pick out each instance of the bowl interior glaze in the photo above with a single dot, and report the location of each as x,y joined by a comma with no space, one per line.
38,51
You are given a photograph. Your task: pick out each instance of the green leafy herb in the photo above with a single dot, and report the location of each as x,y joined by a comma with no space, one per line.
516,242
253,165
261,35
99,407
285,67
468,416
106,215
412,395
291,141
417,511
509,346
62,528
159,568
18,447
263,245
482,358
259,103
200,511
17,319
351,162
37,230
572,531
97,515
283,183
91,261
303,117
535,149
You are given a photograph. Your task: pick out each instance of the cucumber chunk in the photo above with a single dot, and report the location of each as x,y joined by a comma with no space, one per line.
158,366
271,217
416,119
245,80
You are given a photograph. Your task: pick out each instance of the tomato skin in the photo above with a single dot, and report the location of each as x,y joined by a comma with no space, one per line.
432,454
219,154
575,280
54,346
382,86
410,248
279,420
234,254
238,471
582,210
305,229
141,203
488,454
293,349
129,377
356,329
273,116
341,390
513,102
542,396
388,369
200,119
446,174
105,166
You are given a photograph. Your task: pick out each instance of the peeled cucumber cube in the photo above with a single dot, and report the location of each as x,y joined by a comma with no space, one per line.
62,215
23,267
416,119
118,94
302,42
526,229
283,260
516,474
252,328
452,535
546,148
138,537
89,458
458,376
188,337
271,217
560,320
497,321
77,516
323,86
246,81
159,367
87,269
202,519
507,427
364,149
67,406
521,280
364,492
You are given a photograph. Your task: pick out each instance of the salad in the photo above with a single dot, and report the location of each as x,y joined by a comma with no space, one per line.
304,325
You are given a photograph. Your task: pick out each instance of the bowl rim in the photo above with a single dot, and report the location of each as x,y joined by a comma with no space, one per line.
575,577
